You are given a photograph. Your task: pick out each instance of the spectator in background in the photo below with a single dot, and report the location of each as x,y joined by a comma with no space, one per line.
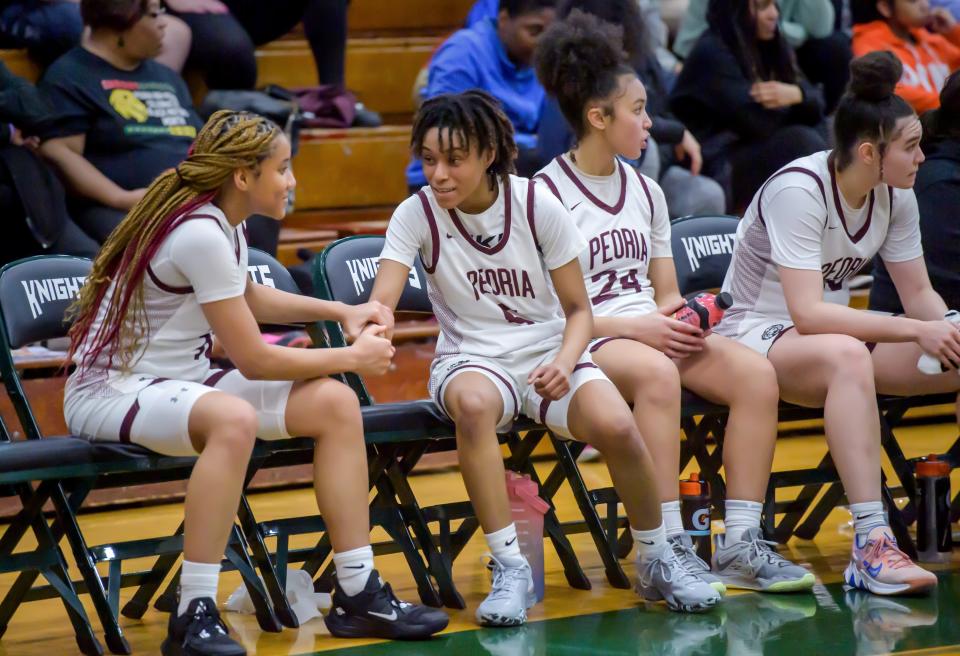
121,118
938,198
49,28
822,52
496,55
226,34
953,6
925,40
743,98
32,200
673,154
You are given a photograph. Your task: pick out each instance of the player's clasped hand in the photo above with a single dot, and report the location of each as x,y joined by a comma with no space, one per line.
676,339
357,317
372,352
551,381
941,339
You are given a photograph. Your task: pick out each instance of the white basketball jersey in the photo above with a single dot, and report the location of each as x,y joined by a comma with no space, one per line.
800,220
488,281
180,338
622,235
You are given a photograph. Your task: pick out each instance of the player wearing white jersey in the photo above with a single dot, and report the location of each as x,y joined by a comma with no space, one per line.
808,229
629,271
501,258
170,278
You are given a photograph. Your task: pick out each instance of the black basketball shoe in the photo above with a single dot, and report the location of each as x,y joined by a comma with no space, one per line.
200,632
375,612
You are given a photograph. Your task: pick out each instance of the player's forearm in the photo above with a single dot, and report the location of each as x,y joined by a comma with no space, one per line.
576,336
826,318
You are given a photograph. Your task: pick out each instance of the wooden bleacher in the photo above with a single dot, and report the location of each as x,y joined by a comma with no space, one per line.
349,181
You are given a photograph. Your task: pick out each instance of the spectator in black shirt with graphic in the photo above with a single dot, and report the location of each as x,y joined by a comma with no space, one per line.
122,118
938,200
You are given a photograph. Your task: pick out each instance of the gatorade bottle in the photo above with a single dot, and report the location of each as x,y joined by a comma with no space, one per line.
695,510
704,310
934,536
527,509
929,364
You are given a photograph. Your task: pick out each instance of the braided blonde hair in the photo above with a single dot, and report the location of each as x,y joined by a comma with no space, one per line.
229,141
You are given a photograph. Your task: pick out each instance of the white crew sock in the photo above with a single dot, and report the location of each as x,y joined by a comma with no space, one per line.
740,517
197,580
353,569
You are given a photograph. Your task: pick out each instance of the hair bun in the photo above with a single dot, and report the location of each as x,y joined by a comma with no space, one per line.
874,76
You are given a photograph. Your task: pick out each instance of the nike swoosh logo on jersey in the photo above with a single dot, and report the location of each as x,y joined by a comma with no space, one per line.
392,617
575,206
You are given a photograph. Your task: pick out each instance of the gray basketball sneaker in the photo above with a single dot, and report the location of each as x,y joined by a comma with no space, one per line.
511,596
752,563
683,546
668,578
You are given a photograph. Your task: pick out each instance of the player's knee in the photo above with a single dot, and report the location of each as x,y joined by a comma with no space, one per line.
617,432
757,382
474,410
851,358
236,430
658,381
339,400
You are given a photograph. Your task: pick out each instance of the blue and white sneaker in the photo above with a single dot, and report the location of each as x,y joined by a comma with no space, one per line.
512,594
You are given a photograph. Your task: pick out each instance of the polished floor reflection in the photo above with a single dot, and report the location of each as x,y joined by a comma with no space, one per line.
603,620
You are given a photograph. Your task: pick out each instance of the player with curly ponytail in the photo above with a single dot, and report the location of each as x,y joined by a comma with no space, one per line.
810,228
171,277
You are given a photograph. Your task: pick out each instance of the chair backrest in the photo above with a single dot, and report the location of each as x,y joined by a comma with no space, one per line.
266,270
702,248
35,294
346,269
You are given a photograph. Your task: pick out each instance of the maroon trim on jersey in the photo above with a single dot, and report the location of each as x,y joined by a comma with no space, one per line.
792,169
470,365
600,343
585,365
836,201
531,207
544,406
507,219
434,233
173,289
550,184
610,209
215,377
127,424
646,190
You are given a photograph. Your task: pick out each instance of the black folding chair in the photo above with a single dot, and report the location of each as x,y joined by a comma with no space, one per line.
34,296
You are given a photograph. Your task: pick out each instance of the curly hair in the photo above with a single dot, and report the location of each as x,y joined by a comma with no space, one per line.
229,141
473,117
579,60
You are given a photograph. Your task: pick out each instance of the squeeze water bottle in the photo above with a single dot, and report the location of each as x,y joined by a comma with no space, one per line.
929,364
934,536
704,311
527,509
695,511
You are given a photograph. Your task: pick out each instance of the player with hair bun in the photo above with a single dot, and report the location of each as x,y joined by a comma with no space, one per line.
811,227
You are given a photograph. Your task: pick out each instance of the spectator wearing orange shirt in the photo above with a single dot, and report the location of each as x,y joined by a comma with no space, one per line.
925,40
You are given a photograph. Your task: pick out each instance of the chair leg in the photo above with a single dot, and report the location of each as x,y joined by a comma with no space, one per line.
138,604
811,525
615,573
116,642
239,556
268,573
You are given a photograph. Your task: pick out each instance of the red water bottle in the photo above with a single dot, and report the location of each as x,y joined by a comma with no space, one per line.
705,310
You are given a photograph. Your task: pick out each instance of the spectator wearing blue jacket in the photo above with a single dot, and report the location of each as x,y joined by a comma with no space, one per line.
496,55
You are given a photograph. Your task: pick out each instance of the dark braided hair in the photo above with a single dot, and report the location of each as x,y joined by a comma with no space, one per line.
870,108
579,60
473,117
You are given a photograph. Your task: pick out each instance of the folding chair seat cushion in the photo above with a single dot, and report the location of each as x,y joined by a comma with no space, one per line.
32,455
